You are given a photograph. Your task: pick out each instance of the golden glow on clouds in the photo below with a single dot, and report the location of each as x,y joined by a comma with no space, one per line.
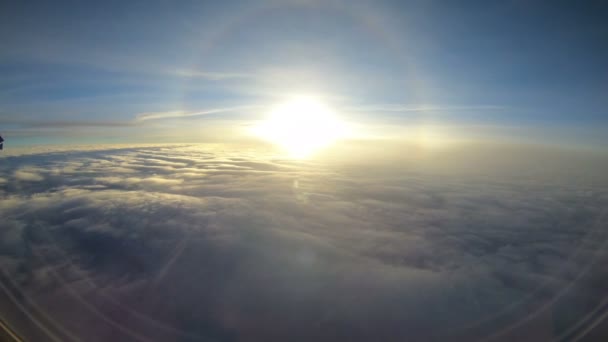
301,126
429,136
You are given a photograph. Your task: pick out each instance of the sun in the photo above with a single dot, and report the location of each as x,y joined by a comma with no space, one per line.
301,126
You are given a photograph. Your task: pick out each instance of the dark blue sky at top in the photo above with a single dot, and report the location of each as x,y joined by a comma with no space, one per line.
540,62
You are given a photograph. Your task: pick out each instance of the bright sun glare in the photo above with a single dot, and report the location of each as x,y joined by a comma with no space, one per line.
301,126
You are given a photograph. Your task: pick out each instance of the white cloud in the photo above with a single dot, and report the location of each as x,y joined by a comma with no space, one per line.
27,175
241,242
400,108
184,114
213,76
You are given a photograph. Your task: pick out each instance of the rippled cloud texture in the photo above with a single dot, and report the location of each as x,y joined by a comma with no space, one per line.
207,243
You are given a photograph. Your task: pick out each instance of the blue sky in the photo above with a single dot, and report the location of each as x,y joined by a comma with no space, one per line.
93,68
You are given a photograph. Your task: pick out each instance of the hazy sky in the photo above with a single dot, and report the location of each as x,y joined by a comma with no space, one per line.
72,70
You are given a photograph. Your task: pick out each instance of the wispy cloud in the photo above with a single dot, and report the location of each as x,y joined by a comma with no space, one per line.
401,108
16,120
26,123
183,114
80,123
211,75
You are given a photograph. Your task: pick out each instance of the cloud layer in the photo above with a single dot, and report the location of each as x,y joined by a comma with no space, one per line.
191,243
